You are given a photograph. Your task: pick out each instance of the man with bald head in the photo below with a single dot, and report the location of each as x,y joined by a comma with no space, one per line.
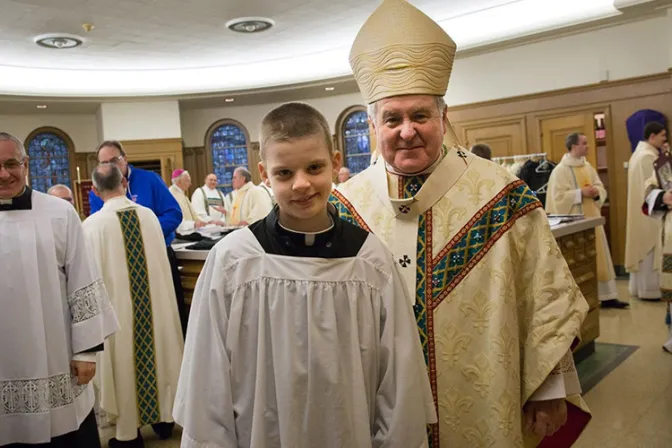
61,191
139,369
343,174
209,202
250,203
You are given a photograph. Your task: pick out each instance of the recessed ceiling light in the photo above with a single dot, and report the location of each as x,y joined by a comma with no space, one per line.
41,106
329,89
229,100
59,41
250,24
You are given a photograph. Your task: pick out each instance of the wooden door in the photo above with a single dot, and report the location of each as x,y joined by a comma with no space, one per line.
506,137
554,132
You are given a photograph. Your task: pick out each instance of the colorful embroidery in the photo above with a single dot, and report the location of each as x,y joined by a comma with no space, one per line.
346,211
146,384
478,236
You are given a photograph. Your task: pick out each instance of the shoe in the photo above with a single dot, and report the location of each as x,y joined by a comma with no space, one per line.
646,299
138,442
614,303
666,350
163,430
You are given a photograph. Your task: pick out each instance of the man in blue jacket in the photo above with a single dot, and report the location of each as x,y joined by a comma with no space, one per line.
147,189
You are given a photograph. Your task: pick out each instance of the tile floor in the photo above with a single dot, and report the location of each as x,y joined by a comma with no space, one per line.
632,406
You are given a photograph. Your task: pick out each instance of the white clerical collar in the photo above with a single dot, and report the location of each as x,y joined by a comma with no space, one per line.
309,237
428,170
178,188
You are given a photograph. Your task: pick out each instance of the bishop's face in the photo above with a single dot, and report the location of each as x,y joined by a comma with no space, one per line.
409,131
13,170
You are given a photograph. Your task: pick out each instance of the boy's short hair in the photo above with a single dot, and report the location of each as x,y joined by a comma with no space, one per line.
652,128
291,121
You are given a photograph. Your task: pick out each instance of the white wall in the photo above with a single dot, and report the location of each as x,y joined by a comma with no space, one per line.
619,52
81,128
195,122
140,120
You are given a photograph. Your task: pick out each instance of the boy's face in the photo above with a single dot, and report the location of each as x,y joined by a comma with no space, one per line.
300,172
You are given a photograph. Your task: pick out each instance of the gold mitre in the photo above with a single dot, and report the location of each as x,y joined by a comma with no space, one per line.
401,51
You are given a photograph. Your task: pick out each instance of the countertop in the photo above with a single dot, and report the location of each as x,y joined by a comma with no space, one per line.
568,228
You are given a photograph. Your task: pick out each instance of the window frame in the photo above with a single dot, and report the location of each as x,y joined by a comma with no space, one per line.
208,148
340,131
68,143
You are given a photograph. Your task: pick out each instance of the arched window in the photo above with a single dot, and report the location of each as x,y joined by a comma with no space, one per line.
354,138
227,143
50,151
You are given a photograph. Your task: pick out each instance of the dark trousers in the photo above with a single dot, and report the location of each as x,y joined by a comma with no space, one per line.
179,292
85,437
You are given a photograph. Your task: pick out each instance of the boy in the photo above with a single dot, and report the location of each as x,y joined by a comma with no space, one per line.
302,335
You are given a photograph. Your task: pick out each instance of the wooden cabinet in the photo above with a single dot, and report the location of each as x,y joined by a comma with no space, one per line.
580,253
165,154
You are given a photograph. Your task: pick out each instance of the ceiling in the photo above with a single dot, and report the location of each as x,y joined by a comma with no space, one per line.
171,47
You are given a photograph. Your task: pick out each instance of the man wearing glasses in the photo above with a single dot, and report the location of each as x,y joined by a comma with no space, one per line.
147,189
56,315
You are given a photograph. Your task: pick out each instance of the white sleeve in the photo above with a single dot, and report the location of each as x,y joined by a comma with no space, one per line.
562,382
200,205
86,357
92,316
578,196
404,402
204,401
651,202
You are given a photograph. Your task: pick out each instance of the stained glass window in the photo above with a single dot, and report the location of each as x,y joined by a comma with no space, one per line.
228,145
49,161
357,142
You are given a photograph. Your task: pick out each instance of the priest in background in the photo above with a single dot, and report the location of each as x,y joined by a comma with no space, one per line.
249,204
643,244
575,188
138,371
56,315
209,203
190,219
61,191
497,309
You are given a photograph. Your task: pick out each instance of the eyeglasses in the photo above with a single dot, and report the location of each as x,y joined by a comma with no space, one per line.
112,161
12,164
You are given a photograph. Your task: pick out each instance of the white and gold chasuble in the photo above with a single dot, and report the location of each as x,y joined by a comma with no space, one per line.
496,305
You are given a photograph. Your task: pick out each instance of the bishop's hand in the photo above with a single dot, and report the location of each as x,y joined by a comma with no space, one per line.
544,418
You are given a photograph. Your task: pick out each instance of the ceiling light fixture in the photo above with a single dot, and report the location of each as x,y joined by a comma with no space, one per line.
250,25
329,89
41,106
59,41
229,100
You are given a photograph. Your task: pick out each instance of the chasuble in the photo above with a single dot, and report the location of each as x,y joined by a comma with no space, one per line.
642,233
55,310
138,371
564,197
302,341
496,306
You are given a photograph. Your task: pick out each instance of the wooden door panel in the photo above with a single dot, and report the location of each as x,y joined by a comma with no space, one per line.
506,137
554,132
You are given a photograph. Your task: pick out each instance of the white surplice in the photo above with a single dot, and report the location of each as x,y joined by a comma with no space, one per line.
301,352
204,199
55,306
116,376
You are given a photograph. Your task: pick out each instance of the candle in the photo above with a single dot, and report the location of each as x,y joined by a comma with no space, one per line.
79,178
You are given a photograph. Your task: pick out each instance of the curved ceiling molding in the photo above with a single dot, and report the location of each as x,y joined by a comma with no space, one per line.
138,49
